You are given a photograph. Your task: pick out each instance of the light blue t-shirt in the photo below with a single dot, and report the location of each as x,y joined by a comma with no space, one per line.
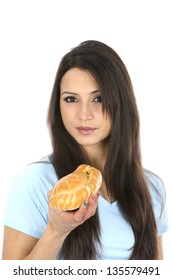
27,209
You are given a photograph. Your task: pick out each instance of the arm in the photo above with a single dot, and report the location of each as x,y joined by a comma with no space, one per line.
160,248
18,245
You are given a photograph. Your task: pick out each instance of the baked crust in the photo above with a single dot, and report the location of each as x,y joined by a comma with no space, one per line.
73,190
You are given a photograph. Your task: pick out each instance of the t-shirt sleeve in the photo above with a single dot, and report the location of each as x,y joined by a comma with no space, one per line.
27,205
158,194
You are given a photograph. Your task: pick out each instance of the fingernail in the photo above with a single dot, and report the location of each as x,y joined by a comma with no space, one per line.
94,196
85,204
98,194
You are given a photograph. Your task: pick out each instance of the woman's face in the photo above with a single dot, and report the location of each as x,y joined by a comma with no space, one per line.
81,108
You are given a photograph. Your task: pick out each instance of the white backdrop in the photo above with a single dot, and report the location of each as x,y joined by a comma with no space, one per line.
35,35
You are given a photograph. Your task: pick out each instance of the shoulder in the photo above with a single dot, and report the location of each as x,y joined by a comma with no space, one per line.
156,185
42,166
158,196
35,175
27,206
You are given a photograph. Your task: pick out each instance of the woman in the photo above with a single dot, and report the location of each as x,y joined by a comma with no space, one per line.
93,119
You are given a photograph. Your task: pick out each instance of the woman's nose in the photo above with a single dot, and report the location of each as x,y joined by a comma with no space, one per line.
85,112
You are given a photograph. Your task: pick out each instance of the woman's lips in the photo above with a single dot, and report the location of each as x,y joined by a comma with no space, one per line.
85,130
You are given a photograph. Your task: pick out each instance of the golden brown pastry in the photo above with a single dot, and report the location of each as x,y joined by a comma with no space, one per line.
73,190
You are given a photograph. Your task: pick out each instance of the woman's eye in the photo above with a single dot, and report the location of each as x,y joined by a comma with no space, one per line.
98,99
70,99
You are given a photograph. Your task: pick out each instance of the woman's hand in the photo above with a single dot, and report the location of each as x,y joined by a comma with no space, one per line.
62,223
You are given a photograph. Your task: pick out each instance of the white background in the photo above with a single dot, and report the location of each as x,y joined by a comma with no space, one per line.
33,37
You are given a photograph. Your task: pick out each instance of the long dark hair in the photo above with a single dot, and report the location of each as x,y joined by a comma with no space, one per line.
123,172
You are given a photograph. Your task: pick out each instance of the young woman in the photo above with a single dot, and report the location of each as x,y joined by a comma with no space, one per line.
93,119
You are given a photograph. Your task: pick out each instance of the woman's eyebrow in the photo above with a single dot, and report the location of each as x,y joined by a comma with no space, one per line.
68,92
74,93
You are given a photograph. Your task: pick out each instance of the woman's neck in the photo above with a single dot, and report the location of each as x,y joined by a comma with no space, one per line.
97,155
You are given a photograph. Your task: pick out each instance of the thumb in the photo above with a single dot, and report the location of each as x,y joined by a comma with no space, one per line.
49,194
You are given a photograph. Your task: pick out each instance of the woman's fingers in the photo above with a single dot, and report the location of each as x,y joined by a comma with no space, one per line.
62,221
88,209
